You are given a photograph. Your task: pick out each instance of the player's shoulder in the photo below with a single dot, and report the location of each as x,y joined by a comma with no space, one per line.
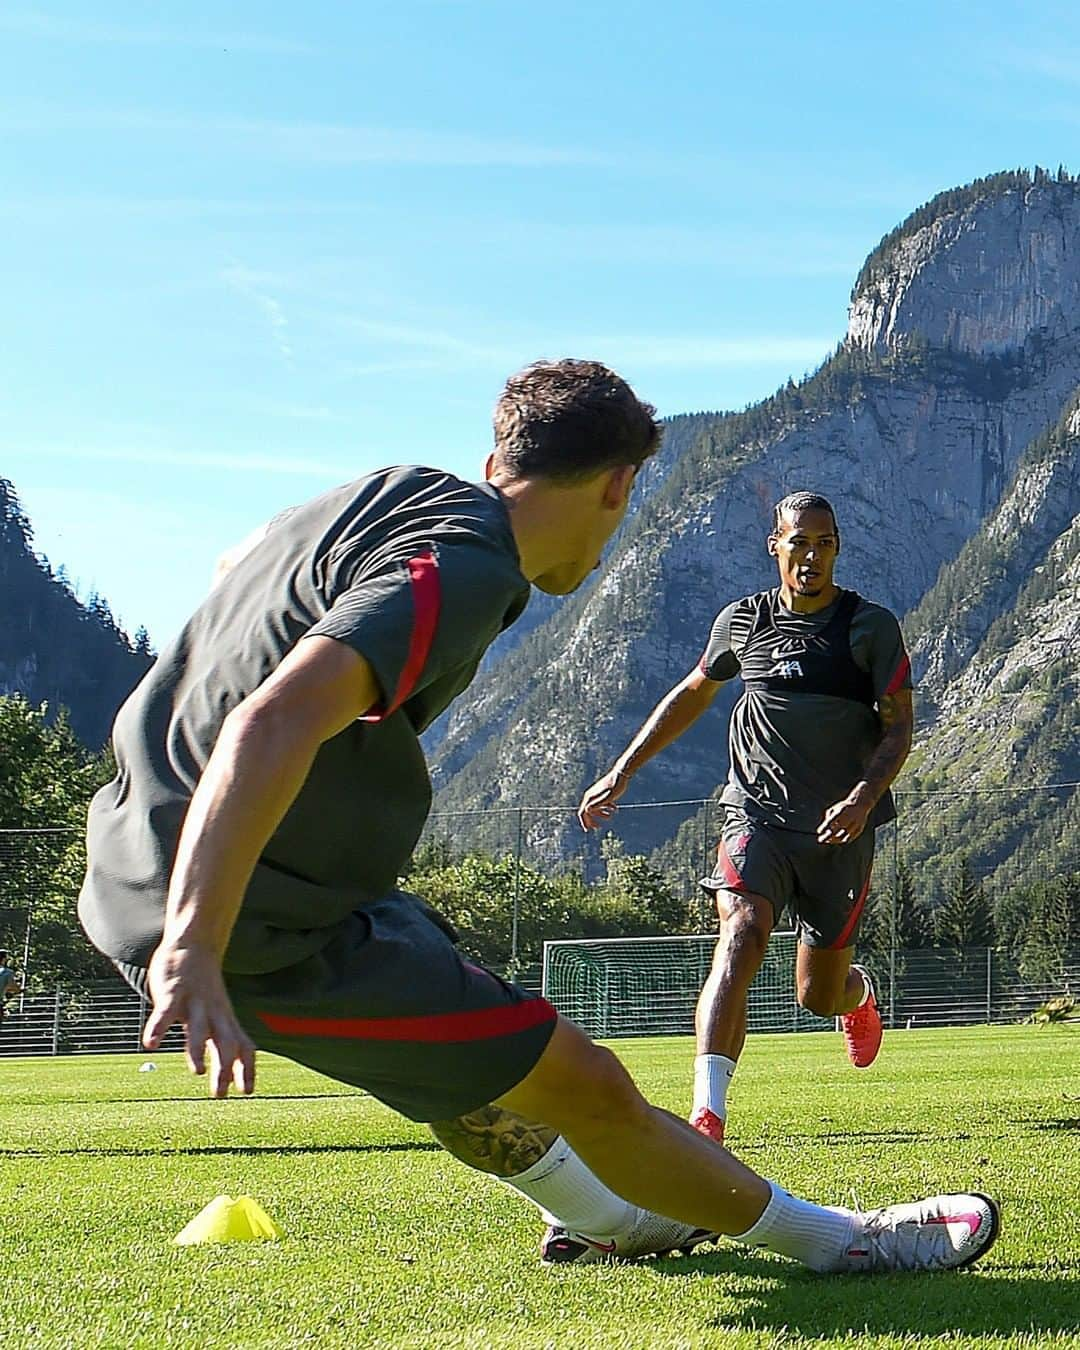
873,612
745,604
875,622
407,502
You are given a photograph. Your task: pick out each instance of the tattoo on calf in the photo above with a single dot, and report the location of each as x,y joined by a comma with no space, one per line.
495,1140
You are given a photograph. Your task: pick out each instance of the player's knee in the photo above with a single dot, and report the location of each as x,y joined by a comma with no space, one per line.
605,1096
745,923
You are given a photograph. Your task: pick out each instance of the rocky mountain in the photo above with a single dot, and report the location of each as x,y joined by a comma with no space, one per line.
995,646
941,428
53,648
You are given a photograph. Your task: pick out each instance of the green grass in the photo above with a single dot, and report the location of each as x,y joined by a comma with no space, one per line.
389,1242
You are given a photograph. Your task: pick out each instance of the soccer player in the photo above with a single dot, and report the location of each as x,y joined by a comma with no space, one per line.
270,788
820,732
10,984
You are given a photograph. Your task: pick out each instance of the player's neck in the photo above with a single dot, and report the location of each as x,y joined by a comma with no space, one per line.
541,520
808,604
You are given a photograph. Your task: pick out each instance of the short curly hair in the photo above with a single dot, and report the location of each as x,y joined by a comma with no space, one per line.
802,501
568,420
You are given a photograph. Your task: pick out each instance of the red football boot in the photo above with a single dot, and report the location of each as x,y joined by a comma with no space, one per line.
862,1027
709,1124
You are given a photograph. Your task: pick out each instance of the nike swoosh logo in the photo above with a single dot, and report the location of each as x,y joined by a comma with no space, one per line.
608,1247
973,1221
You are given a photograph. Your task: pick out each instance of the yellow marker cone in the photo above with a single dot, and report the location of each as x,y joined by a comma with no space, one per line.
229,1220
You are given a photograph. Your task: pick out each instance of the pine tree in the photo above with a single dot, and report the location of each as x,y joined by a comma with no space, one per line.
1054,927
964,918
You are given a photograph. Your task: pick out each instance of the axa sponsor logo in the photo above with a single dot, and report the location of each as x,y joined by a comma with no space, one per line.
787,670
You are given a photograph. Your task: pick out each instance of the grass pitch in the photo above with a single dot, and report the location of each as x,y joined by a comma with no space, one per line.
389,1242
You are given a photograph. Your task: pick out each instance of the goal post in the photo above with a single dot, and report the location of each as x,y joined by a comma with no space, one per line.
648,986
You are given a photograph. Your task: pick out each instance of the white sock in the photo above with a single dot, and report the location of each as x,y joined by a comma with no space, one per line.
573,1197
712,1074
812,1234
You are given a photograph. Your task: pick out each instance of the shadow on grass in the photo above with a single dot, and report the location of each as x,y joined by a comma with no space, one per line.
240,1150
1069,1126
992,1302
844,1137
205,1097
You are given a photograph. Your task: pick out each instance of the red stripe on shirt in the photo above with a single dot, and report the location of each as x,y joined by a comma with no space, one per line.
903,670
481,1024
853,917
426,596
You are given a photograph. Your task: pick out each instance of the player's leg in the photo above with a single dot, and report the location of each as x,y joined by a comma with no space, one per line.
660,1163
833,882
391,1007
750,885
586,1220
746,920
827,984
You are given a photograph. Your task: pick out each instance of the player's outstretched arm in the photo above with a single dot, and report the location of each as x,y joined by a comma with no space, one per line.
259,763
677,710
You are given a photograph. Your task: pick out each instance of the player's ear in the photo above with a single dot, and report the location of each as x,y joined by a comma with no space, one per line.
838,541
489,467
620,481
772,545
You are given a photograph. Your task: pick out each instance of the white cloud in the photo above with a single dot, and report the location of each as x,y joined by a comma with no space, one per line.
248,284
310,142
776,252
1060,64
450,351
31,23
298,465
703,350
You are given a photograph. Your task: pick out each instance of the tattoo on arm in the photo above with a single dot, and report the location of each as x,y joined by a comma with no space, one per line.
885,763
495,1140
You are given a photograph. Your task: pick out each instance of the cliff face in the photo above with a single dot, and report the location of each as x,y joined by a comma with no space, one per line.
994,647
982,280
964,348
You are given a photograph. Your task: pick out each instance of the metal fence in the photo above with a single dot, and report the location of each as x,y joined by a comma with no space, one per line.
619,989
980,855
102,1018
649,986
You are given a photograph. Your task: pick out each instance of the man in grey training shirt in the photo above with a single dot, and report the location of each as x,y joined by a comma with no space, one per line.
10,985
822,729
242,866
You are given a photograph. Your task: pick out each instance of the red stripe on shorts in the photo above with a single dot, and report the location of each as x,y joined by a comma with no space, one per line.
853,917
426,595
481,1024
732,877
903,670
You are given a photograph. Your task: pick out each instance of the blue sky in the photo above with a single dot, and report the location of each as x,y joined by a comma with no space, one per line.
253,250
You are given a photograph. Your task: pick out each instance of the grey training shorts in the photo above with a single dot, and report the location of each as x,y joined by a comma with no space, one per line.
390,1005
823,886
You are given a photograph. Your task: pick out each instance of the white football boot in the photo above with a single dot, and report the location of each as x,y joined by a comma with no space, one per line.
944,1232
650,1235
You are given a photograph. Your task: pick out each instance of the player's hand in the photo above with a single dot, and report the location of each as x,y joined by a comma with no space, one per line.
186,986
844,821
598,804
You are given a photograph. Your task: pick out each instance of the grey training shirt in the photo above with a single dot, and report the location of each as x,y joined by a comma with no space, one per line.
793,755
413,568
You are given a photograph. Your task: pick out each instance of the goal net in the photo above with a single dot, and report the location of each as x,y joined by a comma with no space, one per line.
648,986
